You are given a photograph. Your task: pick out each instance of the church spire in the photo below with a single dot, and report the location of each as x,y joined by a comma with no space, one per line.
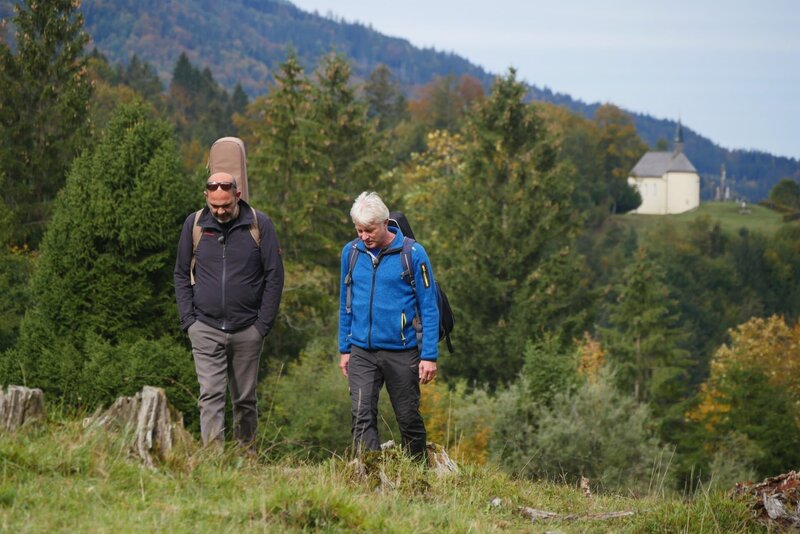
678,147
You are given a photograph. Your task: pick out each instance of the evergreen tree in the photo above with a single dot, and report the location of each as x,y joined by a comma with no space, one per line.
142,77
766,415
104,279
238,102
642,341
503,213
549,369
43,109
352,147
385,98
16,266
287,165
200,106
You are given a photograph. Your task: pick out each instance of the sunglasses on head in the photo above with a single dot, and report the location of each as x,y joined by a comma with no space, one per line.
213,186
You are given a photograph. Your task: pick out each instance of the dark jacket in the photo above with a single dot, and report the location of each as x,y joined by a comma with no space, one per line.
237,284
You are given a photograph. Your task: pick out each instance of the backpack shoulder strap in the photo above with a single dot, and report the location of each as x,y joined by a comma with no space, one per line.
348,279
254,231
197,231
408,274
408,262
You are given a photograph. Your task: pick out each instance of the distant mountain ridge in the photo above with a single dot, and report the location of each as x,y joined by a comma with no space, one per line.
244,41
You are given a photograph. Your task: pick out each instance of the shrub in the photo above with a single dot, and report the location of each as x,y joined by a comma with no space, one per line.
594,432
305,408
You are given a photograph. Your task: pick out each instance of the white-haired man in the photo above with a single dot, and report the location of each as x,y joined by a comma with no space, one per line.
388,325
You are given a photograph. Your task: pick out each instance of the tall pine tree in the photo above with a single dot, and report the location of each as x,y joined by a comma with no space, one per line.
43,109
497,219
351,145
385,98
643,340
285,162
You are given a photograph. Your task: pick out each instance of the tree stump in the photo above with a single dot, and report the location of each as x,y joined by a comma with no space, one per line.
380,468
19,406
156,425
439,460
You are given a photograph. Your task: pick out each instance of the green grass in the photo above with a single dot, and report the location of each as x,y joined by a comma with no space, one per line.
759,219
63,478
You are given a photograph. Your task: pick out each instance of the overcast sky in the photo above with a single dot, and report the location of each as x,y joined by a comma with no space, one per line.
729,70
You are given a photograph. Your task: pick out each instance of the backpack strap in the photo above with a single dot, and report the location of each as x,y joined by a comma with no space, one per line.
254,231
408,275
348,279
197,232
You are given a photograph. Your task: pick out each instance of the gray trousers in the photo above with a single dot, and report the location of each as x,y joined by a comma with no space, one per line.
226,360
367,371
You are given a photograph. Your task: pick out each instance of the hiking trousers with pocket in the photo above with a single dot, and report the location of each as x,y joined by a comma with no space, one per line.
227,360
367,371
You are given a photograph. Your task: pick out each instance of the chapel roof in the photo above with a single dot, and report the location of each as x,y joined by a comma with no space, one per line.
660,163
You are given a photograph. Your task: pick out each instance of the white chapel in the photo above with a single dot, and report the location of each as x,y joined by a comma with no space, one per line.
667,181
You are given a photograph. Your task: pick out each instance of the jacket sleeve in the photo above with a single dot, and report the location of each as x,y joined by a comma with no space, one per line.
273,275
428,303
184,293
345,319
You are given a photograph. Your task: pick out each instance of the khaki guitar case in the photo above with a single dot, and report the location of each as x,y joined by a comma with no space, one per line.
227,154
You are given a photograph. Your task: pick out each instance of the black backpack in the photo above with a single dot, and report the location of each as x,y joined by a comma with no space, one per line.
446,318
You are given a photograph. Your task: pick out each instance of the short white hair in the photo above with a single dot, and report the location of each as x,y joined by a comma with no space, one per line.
369,208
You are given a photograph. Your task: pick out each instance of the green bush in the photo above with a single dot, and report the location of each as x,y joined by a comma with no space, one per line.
305,408
593,432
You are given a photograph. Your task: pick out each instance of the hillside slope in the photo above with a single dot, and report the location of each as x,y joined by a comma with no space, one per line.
243,41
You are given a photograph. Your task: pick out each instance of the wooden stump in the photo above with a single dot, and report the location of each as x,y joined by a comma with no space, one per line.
439,460
380,470
19,406
156,425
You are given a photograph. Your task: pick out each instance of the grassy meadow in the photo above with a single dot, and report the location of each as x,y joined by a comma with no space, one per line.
61,477
729,215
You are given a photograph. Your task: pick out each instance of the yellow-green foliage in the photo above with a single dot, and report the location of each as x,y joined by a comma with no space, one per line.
767,344
460,421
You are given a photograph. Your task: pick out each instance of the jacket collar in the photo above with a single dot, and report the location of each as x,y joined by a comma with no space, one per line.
395,246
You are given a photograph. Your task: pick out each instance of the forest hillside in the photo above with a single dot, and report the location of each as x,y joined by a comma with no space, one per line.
244,43
645,354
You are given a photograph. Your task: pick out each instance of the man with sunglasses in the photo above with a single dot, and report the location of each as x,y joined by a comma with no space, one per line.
228,284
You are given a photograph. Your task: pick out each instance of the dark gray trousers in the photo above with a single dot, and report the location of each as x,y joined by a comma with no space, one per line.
367,371
226,360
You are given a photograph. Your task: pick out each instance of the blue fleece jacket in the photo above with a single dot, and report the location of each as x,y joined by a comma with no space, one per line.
383,303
